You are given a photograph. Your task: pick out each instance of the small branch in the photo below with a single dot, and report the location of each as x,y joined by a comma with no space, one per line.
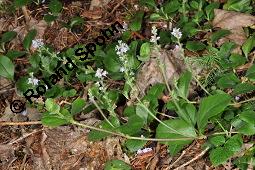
117,6
24,136
20,123
194,159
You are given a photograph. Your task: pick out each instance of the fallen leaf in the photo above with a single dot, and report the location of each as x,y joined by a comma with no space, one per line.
92,14
233,21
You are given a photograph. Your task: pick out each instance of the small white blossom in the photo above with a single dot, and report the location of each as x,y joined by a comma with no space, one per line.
142,151
121,48
37,43
136,7
33,81
122,69
177,33
237,98
43,1
24,112
154,37
100,73
125,27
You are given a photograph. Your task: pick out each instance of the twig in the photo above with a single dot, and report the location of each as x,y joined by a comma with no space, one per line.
20,123
117,6
192,160
24,136
180,157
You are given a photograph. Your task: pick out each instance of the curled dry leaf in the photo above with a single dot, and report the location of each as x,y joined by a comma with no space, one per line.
233,21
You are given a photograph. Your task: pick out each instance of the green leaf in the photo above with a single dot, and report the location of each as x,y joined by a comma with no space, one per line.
69,93
136,23
217,140
237,60
20,3
6,67
195,46
133,126
76,21
171,6
144,52
228,80
55,6
219,156
8,36
28,39
248,45
219,34
49,18
51,106
15,54
179,129
156,90
251,72
248,116
134,145
116,165
142,112
238,5
155,17
148,3
95,135
53,120
211,106
183,84
77,106
234,144
209,10
243,88
246,129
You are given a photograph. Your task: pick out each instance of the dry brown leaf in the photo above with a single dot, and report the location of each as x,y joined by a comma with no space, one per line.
233,21
92,14
40,27
98,3
150,73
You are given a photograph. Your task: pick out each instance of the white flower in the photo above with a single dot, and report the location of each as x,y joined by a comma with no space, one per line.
136,7
100,73
177,33
121,48
37,43
154,37
125,27
122,69
24,112
237,98
33,81
142,151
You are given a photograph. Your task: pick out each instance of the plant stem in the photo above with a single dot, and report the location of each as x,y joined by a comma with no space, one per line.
99,109
127,136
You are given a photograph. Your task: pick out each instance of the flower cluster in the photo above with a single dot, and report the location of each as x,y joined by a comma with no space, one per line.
121,48
100,73
37,43
143,151
32,80
154,37
177,33
125,27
